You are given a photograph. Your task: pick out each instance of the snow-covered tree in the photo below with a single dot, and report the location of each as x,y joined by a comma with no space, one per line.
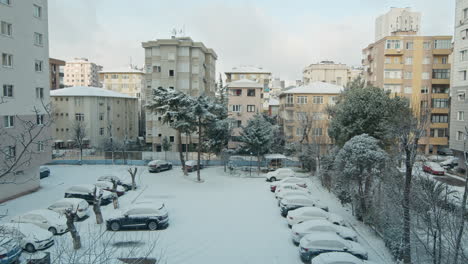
79,134
166,146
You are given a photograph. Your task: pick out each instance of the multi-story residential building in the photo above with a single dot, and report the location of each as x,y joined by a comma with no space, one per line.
302,113
459,81
24,84
56,73
182,64
329,72
104,113
129,81
244,101
397,20
82,72
416,67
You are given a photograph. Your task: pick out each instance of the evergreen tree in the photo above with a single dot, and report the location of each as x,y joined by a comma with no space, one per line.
257,137
166,146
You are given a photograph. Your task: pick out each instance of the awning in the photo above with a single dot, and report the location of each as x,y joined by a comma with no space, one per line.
58,141
70,140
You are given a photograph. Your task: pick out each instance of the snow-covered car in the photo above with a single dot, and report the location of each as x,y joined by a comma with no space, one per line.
445,151
192,165
298,201
139,216
288,186
80,206
450,163
107,186
295,180
279,174
10,250
45,219
286,193
124,182
312,213
85,192
29,236
322,225
43,172
433,168
337,258
316,243
159,165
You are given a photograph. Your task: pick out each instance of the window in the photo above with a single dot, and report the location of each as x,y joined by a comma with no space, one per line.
171,139
302,100
444,60
317,131
424,104
441,74
465,13
318,100
239,123
237,92
10,152
289,99
101,131
156,68
409,45
38,66
317,116
236,108
393,44
7,60
388,60
427,45
396,60
301,116
8,90
8,121
392,74
171,73
427,60
442,44
425,76
424,90
101,116
251,92
250,108
39,92
392,88
38,39
333,100
409,60
408,75
299,131
79,117
461,96
439,118
6,28
460,116
408,90
440,89
440,103
460,135
40,119
464,55
439,132
37,11
5,2
40,146
464,33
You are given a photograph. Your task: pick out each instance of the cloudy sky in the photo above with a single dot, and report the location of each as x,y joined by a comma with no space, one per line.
281,35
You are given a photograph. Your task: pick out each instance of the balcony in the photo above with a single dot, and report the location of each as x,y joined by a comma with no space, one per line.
394,66
394,52
439,95
441,51
440,111
438,141
440,81
439,125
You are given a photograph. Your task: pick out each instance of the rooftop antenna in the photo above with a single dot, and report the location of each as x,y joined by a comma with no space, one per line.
131,65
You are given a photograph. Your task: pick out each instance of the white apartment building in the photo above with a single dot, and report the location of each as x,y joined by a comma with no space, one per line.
397,20
24,84
182,64
329,72
82,72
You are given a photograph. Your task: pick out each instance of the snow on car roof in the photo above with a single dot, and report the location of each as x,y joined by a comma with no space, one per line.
83,188
103,184
319,236
336,258
23,227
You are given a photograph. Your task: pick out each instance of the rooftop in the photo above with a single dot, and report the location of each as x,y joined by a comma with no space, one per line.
248,69
122,70
87,91
244,83
315,88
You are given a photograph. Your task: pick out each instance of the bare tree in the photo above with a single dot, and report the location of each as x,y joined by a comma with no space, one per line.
97,195
115,197
79,135
71,216
133,174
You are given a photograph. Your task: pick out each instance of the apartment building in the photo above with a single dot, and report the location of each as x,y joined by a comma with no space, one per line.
416,67
244,102
104,114
24,82
182,64
56,73
302,113
459,82
329,72
82,72
397,20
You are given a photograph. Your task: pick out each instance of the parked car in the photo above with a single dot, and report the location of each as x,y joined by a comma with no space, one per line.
45,219
286,193
279,174
337,258
289,186
433,168
124,182
192,165
312,213
322,225
139,216
298,201
450,163
107,186
30,237
445,151
316,243
80,206
298,181
159,165
85,192
44,172
10,250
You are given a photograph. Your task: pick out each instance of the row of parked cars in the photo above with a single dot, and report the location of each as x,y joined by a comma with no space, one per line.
162,165
322,237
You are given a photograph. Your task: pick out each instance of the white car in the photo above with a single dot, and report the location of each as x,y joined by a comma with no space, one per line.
298,201
80,206
30,237
122,181
288,186
290,192
337,258
107,186
310,226
298,181
312,213
316,243
45,219
279,174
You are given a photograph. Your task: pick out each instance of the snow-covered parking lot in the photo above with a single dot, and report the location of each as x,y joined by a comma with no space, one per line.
225,219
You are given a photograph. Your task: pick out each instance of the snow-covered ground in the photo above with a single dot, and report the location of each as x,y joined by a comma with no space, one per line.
225,219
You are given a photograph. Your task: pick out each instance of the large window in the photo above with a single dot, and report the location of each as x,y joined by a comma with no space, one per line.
79,117
317,116
440,102
393,44
439,118
6,28
409,60
301,116
439,132
408,75
427,45
7,60
39,93
37,11
302,99
38,65
318,99
8,90
409,45
236,108
392,88
250,108
460,135
40,119
289,99
464,55
440,89
442,44
237,92
38,39
441,74
251,92
460,116
8,121
317,131
392,74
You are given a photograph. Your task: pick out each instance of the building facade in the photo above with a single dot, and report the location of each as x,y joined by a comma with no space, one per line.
56,73
397,20
24,82
104,114
182,64
302,113
418,68
329,72
82,72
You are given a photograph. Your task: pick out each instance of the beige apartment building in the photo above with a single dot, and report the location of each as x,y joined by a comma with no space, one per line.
416,67
244,101
182,64
82,72
303,116
56,73
104,113
329,72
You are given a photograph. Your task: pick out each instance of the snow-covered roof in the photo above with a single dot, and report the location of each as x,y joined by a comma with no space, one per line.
122,70
87,91
273,101
316,88
275,156
244,83
248,69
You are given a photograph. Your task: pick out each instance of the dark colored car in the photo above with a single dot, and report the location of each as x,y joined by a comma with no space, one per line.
84,191
159,165
192,165
140,216
10,250
44,172
445,152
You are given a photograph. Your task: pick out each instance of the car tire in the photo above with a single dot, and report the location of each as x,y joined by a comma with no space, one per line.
53,230
152,225
115,226
30,248
170,167
157,170
273,179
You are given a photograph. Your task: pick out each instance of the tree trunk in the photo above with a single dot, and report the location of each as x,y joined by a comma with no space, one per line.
462,220
181,153
81,154
406,209
258,163
73,232
115,198
133,176
97,207
199,148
